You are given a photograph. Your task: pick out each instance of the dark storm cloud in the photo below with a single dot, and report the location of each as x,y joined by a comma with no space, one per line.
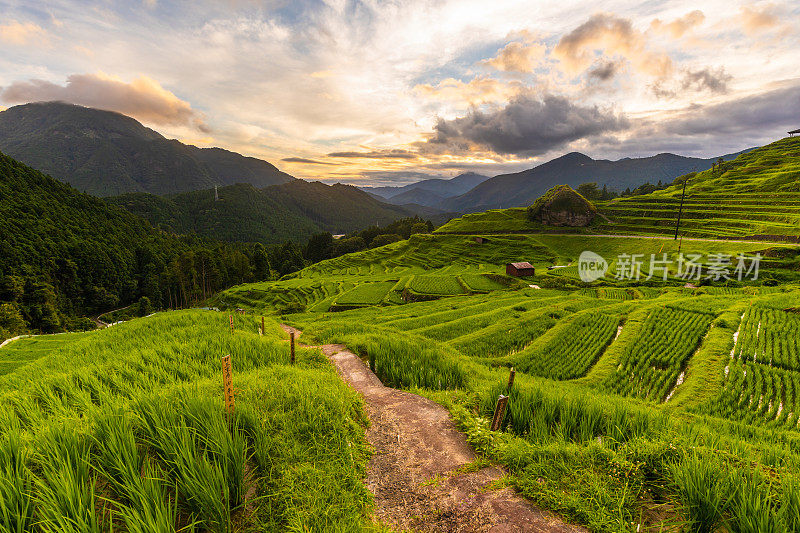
527,126
713,129
768,111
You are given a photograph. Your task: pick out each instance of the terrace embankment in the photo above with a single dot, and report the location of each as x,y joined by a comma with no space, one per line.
423,474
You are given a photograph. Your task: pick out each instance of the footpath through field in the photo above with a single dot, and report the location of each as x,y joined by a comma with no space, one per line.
423,474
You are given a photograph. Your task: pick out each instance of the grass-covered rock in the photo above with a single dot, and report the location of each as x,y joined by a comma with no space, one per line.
562,206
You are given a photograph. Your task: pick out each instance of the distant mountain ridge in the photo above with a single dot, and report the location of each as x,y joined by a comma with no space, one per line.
291,211
106,153
430,192
522,188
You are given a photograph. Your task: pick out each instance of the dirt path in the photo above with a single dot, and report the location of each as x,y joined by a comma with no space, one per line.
419,473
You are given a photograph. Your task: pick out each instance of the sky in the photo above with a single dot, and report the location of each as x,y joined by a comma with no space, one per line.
391,92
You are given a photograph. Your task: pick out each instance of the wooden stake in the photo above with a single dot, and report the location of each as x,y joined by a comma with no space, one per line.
511,378
262,325
227,381
291,339
230,319
499,412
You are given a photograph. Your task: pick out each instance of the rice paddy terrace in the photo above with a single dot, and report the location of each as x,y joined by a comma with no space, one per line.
627,393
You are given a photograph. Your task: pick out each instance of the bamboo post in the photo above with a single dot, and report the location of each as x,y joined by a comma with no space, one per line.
262,326
499,412
230,319
511,378
227,381
291,341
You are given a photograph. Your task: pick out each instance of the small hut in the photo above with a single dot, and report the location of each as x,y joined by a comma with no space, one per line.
793,133
481,240
520,270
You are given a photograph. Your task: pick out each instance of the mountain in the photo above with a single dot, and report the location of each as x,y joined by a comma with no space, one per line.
522,188
66,254
291,211
440,187
106,153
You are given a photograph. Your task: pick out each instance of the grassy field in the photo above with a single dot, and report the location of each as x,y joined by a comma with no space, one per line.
125,429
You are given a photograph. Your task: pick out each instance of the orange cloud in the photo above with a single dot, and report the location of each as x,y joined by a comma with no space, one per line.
478,90
680,26
517,57
20,33
143,98
756,19
610,35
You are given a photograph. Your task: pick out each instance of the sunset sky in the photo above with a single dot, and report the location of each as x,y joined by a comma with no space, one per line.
377,93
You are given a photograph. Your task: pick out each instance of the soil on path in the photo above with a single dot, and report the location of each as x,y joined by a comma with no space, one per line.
420,472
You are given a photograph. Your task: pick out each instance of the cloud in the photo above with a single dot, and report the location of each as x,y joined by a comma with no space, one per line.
307,161
709,130
707,79
376,154
610,35
525,126
14,32
756,19
680,26
143,98
605,70
517,57
477,91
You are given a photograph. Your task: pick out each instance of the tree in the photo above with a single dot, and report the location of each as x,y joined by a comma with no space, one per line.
319,247
382,240
419,227
11,288
589,191
145,307
11,319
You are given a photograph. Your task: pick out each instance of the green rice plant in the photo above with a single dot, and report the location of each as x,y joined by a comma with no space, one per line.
366,294
704,489
65,489
200,480
789,512
650,365
439,285
540,413
16,507
574,350
751,507
145,504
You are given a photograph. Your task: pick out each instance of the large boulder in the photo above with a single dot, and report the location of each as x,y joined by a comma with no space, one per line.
562,206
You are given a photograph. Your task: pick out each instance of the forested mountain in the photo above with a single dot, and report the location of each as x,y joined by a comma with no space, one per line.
65,254
292,211
106,153
522,188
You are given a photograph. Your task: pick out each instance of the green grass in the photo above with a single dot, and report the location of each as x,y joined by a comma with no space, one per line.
125,428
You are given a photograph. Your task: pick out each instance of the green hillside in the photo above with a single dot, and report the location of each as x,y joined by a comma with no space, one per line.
758,193
65,255
290,212
105,153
